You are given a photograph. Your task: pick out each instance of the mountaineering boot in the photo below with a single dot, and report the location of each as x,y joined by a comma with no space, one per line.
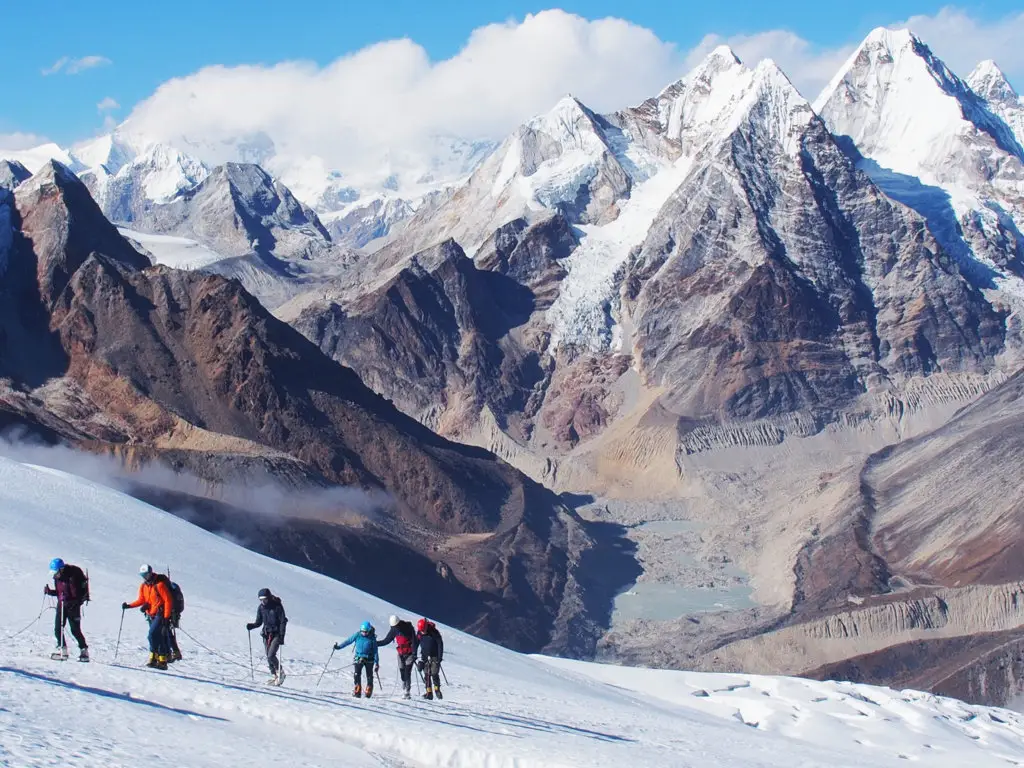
161,662
176,656
83,654
358,692
437,692
61,654
280,676
152,660
406,695
429,694
369,691
272,681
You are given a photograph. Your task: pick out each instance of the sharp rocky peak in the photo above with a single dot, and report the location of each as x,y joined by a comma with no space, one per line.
12,173
988,81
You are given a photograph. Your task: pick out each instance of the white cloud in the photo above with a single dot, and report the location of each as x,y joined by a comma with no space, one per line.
391,95
369,112
14,142
72,66
108,104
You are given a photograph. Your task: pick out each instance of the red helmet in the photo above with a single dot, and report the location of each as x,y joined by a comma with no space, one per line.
421,625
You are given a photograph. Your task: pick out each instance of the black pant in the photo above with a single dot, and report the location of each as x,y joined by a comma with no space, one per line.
360,665
405,662
271,643
432,672
70,614
172,639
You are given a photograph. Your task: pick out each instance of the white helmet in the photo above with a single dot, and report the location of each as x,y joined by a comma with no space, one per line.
145,570
392,620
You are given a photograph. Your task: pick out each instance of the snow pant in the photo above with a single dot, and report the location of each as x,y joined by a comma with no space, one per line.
172,639
360,665
158,643
72,616
272,643
405,662
432,673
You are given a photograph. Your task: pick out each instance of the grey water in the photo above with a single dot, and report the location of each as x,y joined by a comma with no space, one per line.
661,601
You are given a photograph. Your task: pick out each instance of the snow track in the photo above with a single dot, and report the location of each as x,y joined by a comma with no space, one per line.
501,708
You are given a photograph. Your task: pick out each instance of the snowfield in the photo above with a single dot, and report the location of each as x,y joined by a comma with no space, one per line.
501,709
171,251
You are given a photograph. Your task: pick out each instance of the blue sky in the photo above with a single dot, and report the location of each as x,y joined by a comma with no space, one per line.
141,45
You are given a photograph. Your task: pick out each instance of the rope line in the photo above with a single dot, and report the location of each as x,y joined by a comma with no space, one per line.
32,623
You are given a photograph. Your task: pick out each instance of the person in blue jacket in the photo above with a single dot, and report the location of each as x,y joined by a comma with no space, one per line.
366,657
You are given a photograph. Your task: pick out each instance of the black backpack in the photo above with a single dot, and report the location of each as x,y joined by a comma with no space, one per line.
81,581
177,596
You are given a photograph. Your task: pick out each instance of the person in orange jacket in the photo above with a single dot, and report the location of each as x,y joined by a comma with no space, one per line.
158,605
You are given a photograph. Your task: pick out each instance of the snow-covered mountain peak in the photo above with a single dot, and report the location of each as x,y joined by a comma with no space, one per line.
36,157
988,81
884,38
111,152
722,93
903,107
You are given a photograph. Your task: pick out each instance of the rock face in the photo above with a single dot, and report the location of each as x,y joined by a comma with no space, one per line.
115,352
12,173
715,245
930,141
989,82
275,245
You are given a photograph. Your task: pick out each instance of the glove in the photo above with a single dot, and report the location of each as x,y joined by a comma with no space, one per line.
419,665
337,646
125,606
250,627
376,667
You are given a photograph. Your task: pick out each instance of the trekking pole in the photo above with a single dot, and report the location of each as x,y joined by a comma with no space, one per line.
252,669
443,674
118,646
379,683
325,667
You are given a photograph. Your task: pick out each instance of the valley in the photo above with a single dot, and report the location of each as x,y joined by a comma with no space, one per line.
727,380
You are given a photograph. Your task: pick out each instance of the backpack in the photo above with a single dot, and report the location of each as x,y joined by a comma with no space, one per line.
80,579
403,643
177,596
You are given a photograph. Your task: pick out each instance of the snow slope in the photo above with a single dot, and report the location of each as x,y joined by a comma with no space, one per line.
501,709
177,252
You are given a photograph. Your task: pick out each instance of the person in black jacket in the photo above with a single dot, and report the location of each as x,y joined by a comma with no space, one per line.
404,635
71,588
270,615
431,655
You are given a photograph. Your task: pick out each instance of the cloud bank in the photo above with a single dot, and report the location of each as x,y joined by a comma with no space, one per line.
389,103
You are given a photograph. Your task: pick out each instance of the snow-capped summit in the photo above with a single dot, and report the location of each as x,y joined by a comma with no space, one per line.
905,109
110,152
36,157
989,82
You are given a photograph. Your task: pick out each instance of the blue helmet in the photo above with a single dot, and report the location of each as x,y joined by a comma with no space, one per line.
56,564
366,628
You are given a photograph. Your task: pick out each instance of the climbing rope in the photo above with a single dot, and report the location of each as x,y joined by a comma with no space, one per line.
31,624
